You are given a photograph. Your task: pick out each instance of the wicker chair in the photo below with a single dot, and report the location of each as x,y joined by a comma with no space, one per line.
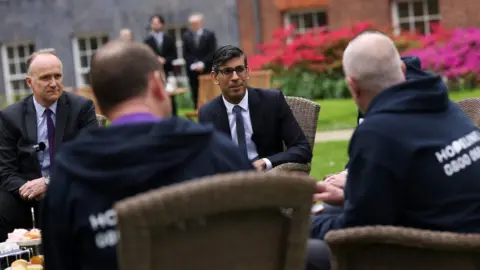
471,107
392,248
306,113
246,220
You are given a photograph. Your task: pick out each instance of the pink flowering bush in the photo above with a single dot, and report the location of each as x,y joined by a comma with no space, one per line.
455,54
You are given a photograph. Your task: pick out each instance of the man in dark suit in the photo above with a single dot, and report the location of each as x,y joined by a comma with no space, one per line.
259,121
164,47
199,45
31,131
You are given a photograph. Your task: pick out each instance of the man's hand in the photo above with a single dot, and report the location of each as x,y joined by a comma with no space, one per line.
329,193
339,180
260,165
33,189
161,60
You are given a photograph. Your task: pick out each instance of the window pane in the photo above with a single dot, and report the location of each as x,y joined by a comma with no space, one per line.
294,20
322,18
23,68
16,85
84,61
420,27
86,78
31,49
81,44
21,51
405,27
434,23
418,8
93,43
11,68
433,7
25,85
308,20
10,52
403,10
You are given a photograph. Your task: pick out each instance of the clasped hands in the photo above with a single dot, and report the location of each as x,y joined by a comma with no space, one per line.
330,190
33,189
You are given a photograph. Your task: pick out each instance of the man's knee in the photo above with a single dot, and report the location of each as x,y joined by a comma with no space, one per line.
318,255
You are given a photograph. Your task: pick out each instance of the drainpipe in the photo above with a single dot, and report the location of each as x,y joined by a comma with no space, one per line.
257,22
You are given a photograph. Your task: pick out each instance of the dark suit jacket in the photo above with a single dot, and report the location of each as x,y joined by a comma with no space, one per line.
18,135
168,50
204,52
273,125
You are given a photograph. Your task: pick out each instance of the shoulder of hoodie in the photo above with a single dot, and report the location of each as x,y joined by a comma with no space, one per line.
375,128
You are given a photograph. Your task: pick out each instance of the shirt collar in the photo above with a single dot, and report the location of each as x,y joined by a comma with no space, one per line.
199,32
40,109
243,103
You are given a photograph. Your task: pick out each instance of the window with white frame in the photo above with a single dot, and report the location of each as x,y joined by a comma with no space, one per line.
415,15
306,19
14,58
83,49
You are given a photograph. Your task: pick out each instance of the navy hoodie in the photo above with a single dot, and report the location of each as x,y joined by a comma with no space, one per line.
414,162
105,165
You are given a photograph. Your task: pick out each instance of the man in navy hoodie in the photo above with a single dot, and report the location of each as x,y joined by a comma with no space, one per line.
142,150
415,159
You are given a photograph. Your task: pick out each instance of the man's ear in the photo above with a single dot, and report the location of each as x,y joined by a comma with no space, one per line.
28,79
352,86
214,76
404,68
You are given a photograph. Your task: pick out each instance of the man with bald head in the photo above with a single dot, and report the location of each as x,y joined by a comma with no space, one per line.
143,149
199,46
31,131
415,158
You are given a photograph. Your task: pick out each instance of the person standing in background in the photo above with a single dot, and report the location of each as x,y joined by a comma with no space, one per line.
126,34
199,46
164,47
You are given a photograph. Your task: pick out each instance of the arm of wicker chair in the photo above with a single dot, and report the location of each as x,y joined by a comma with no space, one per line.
400,236
291,167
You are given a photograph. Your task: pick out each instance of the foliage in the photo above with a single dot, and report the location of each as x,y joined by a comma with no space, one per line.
300,59
455,54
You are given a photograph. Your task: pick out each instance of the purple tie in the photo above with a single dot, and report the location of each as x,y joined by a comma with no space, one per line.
51,134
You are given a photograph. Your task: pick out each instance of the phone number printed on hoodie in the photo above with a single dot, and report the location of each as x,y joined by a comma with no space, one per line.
460,154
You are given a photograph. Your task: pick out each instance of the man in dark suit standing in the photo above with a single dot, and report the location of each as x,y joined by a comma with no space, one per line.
199,45
31,131
259,121
164,47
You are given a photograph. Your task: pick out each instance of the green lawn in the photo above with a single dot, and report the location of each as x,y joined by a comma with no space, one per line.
342,113
328,158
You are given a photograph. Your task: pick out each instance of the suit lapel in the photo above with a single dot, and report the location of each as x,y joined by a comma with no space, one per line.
222,123
255,113
63,109
31,120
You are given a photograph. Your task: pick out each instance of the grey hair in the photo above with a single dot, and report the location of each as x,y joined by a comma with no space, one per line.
195,15
373,61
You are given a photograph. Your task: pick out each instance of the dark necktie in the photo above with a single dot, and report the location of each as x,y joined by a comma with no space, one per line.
242,142
197,39
50,134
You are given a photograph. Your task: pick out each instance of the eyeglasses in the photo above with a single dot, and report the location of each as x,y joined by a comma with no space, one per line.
240,70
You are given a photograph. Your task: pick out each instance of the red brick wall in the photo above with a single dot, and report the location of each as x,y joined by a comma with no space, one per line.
343,13
460,13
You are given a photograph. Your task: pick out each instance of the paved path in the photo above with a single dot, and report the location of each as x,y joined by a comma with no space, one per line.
334,135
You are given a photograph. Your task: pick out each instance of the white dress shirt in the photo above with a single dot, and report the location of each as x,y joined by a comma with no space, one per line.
158,38
42,135
251,147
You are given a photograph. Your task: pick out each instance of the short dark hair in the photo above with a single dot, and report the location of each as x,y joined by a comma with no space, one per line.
224,54
159,17
122,73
